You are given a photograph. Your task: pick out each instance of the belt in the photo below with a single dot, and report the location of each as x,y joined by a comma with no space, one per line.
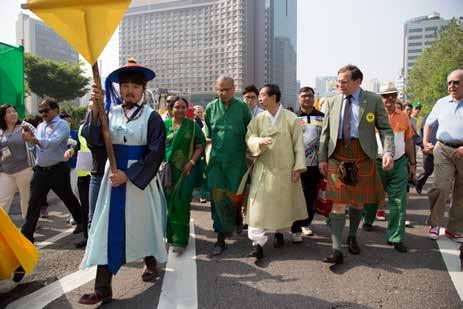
450,145
48,168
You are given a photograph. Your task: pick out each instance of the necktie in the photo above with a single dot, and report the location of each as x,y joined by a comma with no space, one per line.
346,120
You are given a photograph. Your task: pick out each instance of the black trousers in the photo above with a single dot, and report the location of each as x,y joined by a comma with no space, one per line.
56,178
83,186
104,276
428,166
309,180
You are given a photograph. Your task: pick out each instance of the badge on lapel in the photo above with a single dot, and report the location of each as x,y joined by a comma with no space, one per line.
370,117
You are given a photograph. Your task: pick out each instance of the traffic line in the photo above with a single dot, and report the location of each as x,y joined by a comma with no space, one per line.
52,240
55,290
179,287
450,252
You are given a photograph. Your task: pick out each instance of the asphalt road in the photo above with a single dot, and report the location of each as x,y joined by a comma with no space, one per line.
290,277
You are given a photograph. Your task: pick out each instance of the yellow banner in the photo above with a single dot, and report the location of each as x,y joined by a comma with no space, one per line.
87,25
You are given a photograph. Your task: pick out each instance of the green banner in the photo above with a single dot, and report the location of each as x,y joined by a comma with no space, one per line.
12,77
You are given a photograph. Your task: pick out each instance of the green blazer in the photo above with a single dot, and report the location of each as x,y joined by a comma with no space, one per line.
371,115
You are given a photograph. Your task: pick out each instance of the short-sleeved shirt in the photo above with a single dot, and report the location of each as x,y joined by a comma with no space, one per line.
448,114
402,131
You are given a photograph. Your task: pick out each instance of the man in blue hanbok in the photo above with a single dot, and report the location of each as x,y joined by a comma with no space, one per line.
130,214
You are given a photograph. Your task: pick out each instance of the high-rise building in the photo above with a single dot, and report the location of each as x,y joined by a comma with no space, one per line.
419,34
40,40
372,85
325,86
189,43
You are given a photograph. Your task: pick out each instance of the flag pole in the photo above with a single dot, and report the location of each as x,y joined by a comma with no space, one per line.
99,104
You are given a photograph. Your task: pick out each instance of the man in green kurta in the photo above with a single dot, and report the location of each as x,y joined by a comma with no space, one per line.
226,121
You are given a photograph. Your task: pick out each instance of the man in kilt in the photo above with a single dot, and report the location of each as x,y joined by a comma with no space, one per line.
347,155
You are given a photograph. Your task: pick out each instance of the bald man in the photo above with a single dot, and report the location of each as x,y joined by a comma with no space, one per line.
448,159
226,120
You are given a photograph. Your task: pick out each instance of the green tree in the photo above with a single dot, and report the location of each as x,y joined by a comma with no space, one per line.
427,81
61,81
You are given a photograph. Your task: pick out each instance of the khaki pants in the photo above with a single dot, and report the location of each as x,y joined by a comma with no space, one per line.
12,183
447,171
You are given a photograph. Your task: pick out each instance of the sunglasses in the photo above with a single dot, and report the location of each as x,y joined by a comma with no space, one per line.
44,111
453,82
389,95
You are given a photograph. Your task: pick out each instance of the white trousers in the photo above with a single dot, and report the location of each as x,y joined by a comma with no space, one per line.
258,235
12,183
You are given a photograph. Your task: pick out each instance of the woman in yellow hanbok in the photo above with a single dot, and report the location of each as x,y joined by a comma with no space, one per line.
17,254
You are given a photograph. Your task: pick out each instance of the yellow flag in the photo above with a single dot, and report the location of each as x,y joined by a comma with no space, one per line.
87,25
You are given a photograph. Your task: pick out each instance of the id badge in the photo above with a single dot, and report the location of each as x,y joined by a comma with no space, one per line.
6,153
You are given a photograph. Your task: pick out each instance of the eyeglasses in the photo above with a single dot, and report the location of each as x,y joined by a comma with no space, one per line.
246,97
44,111
389,95
307,96
453,82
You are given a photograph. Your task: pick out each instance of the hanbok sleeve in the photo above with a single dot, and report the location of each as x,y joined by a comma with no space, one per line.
141,173
298,146
253,139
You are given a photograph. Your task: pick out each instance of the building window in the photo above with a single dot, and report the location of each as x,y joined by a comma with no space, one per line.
431,28
429,36
415,37
414,44
411,51
415,30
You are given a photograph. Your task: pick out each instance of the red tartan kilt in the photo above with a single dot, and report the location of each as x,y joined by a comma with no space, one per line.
368,190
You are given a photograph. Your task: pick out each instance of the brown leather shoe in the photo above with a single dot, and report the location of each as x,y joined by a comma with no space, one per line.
95,298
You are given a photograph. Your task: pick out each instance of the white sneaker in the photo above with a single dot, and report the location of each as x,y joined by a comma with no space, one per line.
433,232
307,231
297,237
408,223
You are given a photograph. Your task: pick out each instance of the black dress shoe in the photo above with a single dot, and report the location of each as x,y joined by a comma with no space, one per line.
79,229
81,244
278,240
257,252
335,258
367,227
400,247
352,245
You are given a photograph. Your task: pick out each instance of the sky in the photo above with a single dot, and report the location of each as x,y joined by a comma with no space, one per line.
367,33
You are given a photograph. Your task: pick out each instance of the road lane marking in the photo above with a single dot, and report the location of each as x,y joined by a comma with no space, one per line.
180,287
52,240
451,255
55,290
